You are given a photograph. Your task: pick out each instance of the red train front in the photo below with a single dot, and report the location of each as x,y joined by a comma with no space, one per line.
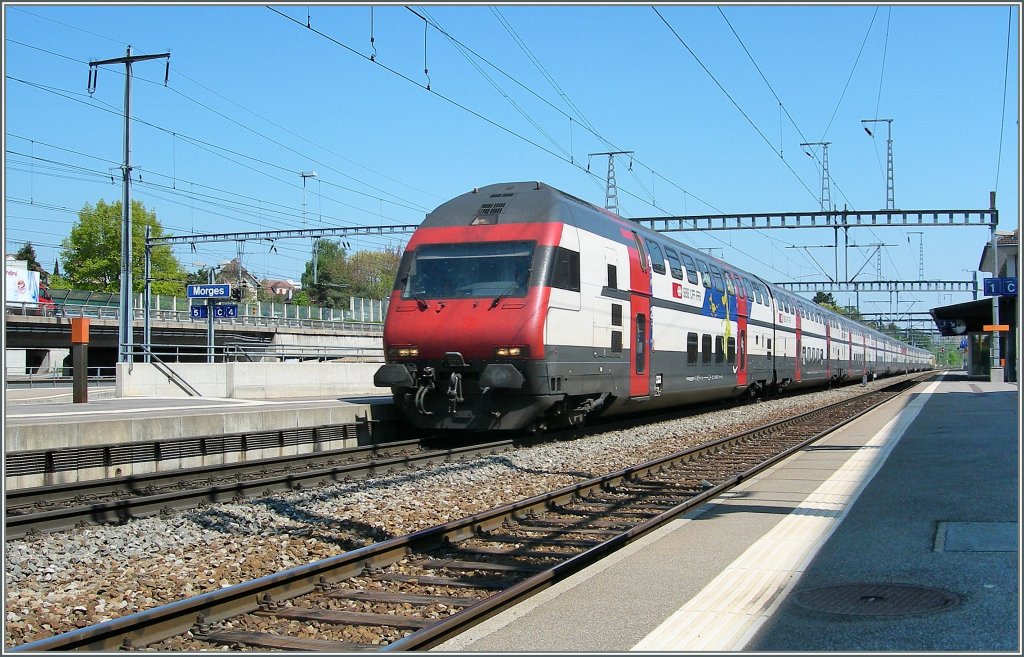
463,336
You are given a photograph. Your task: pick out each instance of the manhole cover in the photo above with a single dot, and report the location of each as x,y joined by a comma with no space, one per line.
877,599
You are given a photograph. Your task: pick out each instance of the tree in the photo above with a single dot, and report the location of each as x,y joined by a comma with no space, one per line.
824,298
27,252
329,289
368,274
371,274
91,254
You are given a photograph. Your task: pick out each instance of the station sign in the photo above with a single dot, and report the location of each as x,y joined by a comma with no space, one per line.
225,310
1001,287
209,291
199,312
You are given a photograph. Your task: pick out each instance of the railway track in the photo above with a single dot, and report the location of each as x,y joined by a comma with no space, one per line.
416,591
120,499
61,507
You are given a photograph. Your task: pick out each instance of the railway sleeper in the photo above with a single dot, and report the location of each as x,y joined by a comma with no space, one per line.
530,540
486,584
403,598
517,552
454,564
265,640
593,531
348,618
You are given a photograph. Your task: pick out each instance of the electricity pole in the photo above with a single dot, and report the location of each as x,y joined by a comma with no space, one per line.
124,327
611,195
890,194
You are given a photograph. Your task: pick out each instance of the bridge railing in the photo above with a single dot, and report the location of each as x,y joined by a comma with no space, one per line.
256,352
184,316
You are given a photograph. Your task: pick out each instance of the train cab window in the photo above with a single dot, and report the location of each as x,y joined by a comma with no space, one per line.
640,251
657,259
691,348
565,270
719,349
674,265
613,277
705,349
716,275
705,273
691,269
482,269
730,346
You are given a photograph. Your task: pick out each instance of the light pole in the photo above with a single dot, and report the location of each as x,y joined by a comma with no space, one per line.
890,195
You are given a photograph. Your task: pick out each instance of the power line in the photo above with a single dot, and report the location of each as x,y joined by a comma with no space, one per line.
733,101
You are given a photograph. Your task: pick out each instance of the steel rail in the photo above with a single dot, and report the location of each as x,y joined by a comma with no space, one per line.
197,613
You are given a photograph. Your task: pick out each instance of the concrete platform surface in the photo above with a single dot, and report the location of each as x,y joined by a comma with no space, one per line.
918,499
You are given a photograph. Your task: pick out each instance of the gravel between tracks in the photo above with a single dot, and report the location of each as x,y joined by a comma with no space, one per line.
58,582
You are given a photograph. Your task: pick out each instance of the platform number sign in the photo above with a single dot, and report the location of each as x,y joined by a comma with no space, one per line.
1000,287
226,310
199,312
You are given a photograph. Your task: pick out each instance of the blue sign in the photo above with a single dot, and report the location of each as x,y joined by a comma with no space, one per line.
1001,287
963,342
225,310
199,312
209,291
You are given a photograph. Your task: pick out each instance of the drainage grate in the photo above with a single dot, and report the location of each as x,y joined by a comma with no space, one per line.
877,599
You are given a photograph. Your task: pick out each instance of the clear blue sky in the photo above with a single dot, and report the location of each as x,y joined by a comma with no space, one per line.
254,98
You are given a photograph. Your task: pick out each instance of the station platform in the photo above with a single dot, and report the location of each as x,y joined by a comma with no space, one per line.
48,439
899,532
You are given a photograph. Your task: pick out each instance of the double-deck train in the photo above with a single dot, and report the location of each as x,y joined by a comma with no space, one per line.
520,306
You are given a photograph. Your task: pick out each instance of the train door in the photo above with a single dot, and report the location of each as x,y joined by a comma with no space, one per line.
828,348
800,355
742,313
640,303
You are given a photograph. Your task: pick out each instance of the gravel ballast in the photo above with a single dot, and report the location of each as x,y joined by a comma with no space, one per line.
59,582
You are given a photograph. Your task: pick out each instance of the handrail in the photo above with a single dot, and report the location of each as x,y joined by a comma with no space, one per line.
171,375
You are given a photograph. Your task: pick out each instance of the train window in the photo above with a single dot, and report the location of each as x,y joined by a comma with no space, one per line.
482,269
613,277
719,349
673,263
657,259
729,287
691,269
716,275
730,345
641,342
736,284
617,342
705,349
705,273
640,251
749,290
565,270
691,348
616,314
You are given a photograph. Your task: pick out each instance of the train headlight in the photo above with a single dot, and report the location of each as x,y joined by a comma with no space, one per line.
407,351
512,351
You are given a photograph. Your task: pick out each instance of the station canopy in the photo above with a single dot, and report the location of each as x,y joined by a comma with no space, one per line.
963,318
